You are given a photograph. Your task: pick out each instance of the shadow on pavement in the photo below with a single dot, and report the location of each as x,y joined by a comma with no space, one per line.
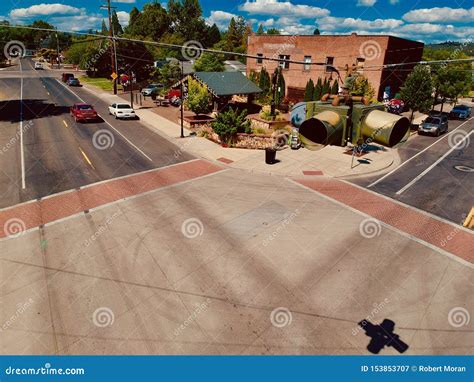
382,335
32,109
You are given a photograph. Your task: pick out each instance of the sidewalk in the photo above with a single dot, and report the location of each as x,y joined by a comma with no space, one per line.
329,161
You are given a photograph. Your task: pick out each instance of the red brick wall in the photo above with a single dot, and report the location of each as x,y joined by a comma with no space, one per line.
345,50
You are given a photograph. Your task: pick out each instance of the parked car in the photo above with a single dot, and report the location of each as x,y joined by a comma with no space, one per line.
434,125
73,82
83,112
39,66
152,90
66,76
122,111
460,112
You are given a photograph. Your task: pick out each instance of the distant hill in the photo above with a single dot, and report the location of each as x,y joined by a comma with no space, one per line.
467,49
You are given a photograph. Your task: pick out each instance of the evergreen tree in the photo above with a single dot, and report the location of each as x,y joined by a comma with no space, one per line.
335,87
264,81
326,87
309,91
260,30
316,32
273,31
116,27
318,90
104,29
213,35
280,87
134,14
233,36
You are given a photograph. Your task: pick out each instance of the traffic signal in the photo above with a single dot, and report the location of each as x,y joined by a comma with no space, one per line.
356,123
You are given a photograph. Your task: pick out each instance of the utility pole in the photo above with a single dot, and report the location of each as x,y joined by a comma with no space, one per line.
57,47
113,50
182,100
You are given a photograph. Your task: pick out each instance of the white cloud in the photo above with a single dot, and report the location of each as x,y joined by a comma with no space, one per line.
124,18
282,8
220,18
349,24
45,10
366,3
394,2
77,23
440,15
124,1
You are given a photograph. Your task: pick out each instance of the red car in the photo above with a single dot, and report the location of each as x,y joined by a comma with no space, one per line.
83,112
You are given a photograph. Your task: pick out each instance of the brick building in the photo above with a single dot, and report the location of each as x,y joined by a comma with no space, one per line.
367,53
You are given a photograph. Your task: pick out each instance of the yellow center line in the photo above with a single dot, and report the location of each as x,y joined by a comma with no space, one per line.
65,123
86,158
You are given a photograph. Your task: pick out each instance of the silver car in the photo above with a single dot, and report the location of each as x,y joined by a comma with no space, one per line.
435,125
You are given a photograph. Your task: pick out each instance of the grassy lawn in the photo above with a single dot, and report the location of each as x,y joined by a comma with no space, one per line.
103,83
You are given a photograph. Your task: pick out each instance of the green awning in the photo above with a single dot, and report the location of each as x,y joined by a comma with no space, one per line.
227,83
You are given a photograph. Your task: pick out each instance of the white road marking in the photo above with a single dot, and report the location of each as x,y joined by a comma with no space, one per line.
414,156
22,148
118,132
399,192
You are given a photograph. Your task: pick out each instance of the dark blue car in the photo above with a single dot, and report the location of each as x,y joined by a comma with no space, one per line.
460,112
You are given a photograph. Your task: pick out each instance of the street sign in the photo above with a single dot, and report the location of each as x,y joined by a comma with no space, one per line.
114,76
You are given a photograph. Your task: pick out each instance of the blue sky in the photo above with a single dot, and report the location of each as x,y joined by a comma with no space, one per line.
424,20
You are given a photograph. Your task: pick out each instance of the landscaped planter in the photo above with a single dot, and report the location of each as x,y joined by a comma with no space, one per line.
258,123
196,123
241,140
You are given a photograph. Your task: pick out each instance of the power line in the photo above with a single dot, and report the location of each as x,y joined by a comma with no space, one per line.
244,55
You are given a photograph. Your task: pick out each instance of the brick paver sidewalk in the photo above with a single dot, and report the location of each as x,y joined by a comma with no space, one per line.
15,220
441,234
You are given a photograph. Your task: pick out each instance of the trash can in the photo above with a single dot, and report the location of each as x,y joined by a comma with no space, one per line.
270,155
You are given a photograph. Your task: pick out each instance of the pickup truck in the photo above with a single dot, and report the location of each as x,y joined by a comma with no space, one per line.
83,112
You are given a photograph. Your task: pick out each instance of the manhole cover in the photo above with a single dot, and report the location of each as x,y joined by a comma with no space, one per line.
464,168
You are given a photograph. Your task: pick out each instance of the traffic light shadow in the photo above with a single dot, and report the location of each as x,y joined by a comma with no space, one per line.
382,335
30,109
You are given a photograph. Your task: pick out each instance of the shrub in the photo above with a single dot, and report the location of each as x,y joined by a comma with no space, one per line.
198,100
229,123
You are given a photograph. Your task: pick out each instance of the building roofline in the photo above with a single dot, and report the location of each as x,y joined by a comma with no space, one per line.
335,35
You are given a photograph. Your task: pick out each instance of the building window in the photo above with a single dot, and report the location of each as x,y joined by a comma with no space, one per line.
260,58
284,64
329,62
360,64
307,60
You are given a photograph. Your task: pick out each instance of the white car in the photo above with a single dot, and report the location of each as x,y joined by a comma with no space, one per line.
38,65
122,110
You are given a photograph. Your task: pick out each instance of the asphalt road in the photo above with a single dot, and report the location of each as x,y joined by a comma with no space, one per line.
59,154
434,175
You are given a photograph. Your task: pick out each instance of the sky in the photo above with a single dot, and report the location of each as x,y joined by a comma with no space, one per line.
423,20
